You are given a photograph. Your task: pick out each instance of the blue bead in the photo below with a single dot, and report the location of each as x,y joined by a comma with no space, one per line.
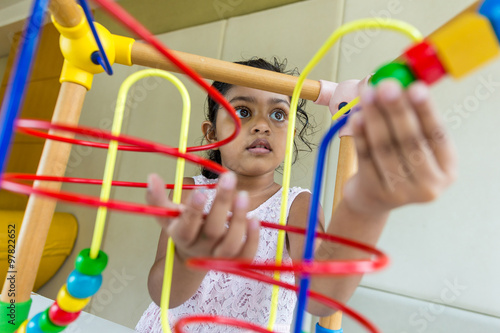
491,9
83,286
33,325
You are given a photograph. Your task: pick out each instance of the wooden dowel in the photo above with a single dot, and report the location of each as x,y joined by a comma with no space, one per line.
66,12
347,166
224,71
39,211
219,70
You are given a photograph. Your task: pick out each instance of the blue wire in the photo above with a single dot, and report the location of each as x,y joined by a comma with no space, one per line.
88,14
21,71
312,220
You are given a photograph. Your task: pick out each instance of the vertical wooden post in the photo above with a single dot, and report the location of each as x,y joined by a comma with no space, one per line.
39,211
347,166
65,12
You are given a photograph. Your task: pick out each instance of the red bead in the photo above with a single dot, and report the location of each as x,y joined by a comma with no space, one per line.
60,317
424,62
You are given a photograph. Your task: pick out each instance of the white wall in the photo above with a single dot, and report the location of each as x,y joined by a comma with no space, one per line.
430,246
454,240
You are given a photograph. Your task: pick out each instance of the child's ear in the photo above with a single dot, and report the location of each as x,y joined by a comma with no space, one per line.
208,131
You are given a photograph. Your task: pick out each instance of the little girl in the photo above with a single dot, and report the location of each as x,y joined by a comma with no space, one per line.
392,128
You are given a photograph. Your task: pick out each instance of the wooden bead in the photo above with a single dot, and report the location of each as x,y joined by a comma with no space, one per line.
465,44
491,9
81,285
394,70
423,61
22,327
33,325
86,265
60,317
69,303
47,325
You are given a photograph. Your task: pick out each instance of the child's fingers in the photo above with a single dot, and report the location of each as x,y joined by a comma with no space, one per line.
365,162
417,161
233,241
252,241
380,144
156,196
214,227
185,230
433,128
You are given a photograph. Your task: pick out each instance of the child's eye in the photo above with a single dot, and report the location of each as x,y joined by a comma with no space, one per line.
278,115
242,113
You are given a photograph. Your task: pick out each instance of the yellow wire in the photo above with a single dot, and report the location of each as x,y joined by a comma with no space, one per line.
392,24
110,166
179,175
117,124
345,108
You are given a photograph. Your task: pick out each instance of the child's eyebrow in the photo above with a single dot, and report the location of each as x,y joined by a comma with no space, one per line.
278,101
249,99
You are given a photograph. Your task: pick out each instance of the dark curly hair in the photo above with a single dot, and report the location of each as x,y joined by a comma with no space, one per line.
306,127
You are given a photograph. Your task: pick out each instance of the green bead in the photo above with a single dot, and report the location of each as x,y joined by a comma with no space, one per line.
46,325
88,266
395,70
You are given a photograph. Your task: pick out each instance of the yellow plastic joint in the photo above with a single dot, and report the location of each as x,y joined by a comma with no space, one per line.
77,46
70,73
123,46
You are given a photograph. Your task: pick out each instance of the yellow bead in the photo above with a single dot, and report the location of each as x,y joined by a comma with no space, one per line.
465,44
22,328
69,303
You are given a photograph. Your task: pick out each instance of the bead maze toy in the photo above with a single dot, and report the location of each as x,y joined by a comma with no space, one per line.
463,44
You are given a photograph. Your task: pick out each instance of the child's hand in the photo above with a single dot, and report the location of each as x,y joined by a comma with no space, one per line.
196,236
404,153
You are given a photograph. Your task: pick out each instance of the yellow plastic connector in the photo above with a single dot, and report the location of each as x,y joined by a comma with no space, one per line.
77,46
465,44
123,46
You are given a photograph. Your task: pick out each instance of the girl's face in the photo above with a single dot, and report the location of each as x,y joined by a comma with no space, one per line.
260,147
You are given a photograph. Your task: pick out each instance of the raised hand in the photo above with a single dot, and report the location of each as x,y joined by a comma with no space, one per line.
225,232
404,153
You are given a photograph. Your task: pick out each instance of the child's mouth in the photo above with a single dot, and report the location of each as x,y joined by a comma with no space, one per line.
260,146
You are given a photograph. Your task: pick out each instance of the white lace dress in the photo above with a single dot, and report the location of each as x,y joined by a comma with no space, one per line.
231,295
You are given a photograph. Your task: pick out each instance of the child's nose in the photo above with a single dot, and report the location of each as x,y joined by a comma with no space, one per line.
260,125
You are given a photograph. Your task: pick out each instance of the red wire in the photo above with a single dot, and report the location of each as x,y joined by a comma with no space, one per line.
136,27
81,199
101,134
241,267
247,269
75,180
23,129
235,267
